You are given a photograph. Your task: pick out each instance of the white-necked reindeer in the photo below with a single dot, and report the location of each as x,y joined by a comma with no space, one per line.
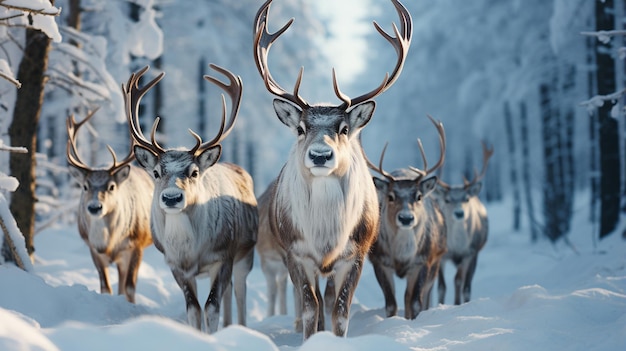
467,228
204,214
412,240
323,209
113,213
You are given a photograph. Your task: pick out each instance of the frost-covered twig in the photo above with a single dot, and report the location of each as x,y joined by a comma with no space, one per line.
604,35
598,100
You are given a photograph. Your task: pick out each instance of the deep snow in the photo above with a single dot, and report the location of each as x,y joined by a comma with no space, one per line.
525,297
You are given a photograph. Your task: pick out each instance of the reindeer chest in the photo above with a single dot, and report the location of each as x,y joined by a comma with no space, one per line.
323,222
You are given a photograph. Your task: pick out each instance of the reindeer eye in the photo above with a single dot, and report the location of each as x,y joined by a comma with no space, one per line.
85,187
418,197
300,131
111,187
391,197
194,173
156,174
343,129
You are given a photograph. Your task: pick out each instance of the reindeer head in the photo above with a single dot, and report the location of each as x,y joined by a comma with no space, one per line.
402,191
177,172
100,185
327,135
454,200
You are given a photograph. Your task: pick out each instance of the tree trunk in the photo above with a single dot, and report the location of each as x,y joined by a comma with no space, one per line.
23,131
608,130
517,202
527,186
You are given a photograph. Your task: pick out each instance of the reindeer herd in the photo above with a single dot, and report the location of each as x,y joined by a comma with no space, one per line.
321,217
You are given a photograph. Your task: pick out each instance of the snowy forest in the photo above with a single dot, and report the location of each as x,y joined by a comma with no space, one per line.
543,86
541,82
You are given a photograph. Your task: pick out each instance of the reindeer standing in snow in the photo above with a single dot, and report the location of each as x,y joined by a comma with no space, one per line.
467,228
113,213
204,214
323,208
412,240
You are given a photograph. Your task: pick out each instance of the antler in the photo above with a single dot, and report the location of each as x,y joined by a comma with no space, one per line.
487,153
379,168
401,42
263,40
132,97
72,151
234,89
442,149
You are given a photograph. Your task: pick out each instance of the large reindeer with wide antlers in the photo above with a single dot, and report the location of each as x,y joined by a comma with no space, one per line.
323,208
204,214
411,240
113,213
467,228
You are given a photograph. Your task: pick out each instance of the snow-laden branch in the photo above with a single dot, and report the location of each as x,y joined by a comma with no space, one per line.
604,36
42,7
599,100
6,73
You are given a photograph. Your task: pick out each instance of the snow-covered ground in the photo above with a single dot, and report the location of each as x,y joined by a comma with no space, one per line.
525,297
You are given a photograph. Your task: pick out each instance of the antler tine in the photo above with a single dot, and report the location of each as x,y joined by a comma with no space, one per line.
132,96
72,130
379,168
487,153
234,90
263,40
401,43
442,150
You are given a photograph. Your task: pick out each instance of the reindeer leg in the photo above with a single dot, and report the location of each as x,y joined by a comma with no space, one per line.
297,302
384,276
413,298
189,288
241,270
320,306
329,295
441,280
303,277
346,279
467,287
270,277
103,271
218,287
132,273
282,291
459,280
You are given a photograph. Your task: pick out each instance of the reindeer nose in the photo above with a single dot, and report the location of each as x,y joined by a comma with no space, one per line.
171,200
405,219
94,209
459,214
319,157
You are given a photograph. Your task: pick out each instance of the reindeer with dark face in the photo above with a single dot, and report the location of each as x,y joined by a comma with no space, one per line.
411,240
467,228
323,209
204,214
113,213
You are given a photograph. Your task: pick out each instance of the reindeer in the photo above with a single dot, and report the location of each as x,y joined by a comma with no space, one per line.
411,240
113,213
204,214
323,208
467,227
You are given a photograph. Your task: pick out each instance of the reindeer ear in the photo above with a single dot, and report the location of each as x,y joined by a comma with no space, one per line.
287,113
381,184
428,185
209,157
121,174
78,173
475,189
146,158
361,114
